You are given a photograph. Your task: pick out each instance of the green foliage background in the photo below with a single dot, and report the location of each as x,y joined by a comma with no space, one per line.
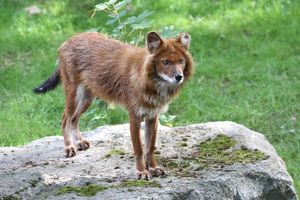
247,56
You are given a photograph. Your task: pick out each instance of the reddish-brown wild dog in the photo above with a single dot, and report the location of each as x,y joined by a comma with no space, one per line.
143,80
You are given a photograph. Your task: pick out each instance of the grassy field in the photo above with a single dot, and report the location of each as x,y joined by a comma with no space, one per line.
247,56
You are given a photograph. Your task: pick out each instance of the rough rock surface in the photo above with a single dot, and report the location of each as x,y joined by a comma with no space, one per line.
39,169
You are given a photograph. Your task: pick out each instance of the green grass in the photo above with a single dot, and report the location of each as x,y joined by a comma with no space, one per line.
247,56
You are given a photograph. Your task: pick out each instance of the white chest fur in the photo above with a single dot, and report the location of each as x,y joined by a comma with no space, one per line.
151,112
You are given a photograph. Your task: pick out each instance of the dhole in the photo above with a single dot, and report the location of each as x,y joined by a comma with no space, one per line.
143,80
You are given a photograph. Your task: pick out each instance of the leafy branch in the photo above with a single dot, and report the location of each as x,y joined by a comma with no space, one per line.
127,27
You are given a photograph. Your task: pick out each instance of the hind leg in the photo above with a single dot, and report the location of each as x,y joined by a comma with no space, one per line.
78,100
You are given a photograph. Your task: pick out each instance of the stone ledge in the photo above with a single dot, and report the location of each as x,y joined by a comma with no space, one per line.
215,160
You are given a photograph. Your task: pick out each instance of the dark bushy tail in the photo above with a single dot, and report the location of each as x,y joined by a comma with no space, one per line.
49,84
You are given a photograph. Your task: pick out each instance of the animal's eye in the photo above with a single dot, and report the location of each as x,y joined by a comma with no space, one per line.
165,62
181,60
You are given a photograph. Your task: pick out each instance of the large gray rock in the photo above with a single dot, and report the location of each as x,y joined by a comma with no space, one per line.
195,171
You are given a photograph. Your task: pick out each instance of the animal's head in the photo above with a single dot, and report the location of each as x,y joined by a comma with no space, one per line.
171,61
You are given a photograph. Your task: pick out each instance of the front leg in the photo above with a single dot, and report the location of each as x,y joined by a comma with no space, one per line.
150,138
135,126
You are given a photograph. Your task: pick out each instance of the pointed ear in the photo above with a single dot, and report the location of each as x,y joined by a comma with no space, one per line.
184,39
153,41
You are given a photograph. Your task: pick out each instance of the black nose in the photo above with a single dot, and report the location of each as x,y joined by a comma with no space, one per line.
178,77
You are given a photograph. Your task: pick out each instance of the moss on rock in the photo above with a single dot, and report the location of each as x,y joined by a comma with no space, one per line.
217,152
89,190
9,197
138,183
182,144
114,152
167,162
92,189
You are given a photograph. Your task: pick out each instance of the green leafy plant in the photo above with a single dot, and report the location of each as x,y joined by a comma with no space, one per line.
169,31
167,120
126,27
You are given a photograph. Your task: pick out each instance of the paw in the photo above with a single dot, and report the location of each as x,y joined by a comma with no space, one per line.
156,171
143,175
70,151
83,145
